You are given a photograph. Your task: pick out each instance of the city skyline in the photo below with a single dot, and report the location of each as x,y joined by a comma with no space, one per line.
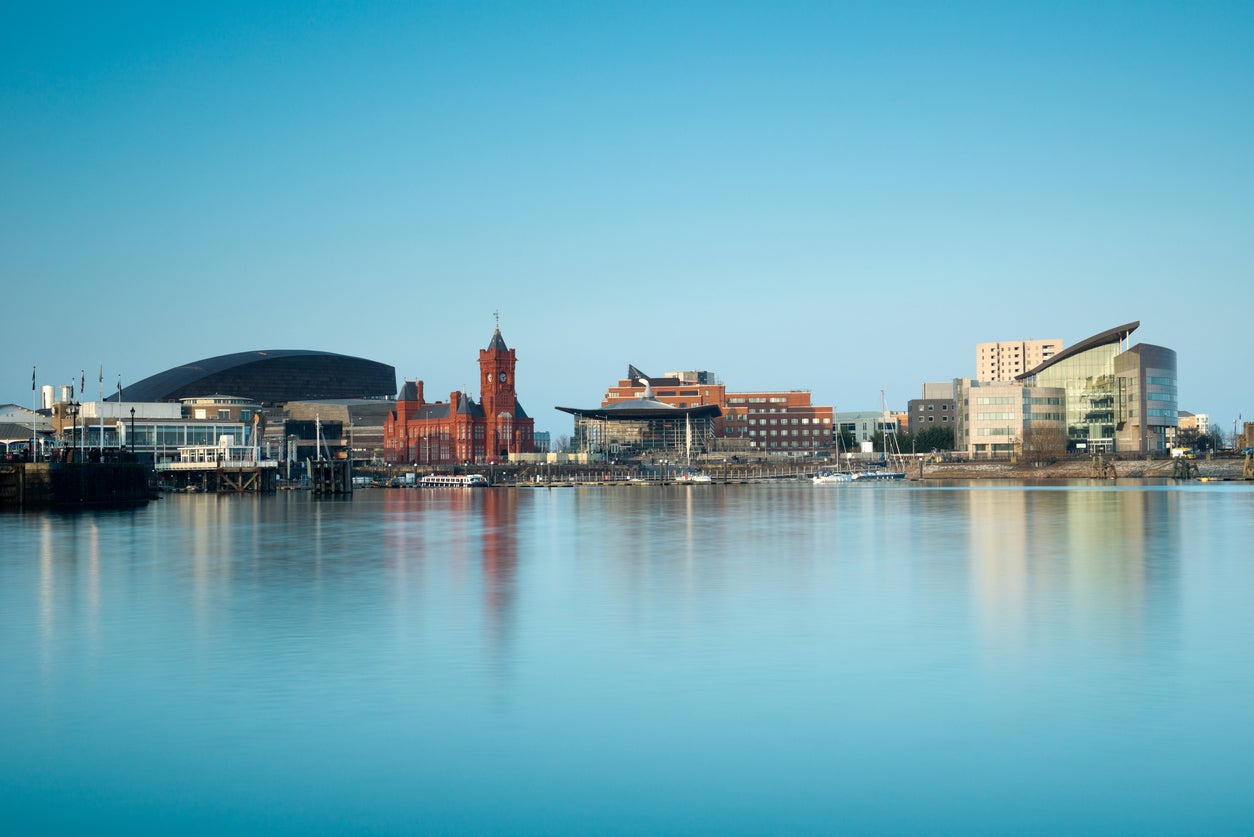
824,197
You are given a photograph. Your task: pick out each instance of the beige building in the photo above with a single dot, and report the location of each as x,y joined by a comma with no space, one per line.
1006,361
999,419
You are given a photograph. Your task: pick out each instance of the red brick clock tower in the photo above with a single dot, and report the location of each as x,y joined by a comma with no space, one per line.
499,398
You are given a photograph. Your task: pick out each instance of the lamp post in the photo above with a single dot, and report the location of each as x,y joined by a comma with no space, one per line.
72,409
132,444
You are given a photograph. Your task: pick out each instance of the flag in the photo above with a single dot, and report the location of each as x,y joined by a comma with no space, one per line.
119,387
102,373
32,379
82,383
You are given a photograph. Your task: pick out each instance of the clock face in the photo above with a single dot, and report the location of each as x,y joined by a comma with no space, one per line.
502,377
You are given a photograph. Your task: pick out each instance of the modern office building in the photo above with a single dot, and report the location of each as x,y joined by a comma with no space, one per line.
862,425
461,430
644,426
765,421
1146,399
997,418
1007,360
1116,399
935,408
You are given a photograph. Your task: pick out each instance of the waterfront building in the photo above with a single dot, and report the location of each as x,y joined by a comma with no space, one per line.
342,425
1146,399
935,408
1117,399
997,418
461,430
1199,422
270,377
862,425
154,431
764,421
644,426
1006,360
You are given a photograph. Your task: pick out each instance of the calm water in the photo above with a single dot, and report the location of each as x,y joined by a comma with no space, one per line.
741,659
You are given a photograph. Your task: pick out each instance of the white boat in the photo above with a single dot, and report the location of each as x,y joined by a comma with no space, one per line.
831,478
878,474
692,477
453,481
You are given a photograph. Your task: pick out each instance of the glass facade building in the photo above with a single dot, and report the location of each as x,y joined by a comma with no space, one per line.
1117,399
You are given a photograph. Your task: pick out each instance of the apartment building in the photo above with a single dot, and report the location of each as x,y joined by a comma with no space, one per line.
1007,360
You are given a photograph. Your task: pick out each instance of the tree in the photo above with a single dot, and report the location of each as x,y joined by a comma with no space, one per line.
1044,444
935,437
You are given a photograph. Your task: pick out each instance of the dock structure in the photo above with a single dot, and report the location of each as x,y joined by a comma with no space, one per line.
330,476
70,485
220,469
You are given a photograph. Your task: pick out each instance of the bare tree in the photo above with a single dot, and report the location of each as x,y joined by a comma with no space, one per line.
1042,445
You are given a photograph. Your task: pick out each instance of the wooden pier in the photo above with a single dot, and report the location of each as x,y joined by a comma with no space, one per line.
221,469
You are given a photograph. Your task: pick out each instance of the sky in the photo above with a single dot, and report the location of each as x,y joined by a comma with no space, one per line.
839,197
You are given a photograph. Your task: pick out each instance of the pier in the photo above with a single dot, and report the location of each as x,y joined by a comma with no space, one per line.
220,469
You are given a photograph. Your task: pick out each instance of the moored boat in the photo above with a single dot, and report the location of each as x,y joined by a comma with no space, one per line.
453,481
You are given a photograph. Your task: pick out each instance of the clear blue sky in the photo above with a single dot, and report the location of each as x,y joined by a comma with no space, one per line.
836,197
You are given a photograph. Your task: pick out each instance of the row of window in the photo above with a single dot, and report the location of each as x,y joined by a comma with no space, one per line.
733,418
786,432
764,410
776,444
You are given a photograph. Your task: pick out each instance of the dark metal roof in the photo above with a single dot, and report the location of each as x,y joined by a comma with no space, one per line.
497,342
1112,335
269,376
634,375
644,409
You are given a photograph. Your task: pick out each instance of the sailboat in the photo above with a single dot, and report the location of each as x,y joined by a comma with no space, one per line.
836,476
894,468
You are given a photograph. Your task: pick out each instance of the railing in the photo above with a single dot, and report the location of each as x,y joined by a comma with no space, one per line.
200,458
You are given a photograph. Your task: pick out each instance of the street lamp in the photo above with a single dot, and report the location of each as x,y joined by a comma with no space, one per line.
72,409
132,445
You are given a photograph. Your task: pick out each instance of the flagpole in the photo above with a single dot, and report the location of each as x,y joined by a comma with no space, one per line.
34,402
101,379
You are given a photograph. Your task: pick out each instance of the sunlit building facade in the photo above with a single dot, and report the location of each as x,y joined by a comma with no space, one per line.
766,421
1116,399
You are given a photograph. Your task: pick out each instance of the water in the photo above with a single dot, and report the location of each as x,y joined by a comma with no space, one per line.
739,659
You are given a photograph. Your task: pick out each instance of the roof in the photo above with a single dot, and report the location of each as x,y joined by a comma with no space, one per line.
1113,335
13,432
268,376
634,374
497,342
644,409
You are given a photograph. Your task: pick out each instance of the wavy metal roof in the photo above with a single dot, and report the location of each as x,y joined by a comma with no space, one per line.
1113,335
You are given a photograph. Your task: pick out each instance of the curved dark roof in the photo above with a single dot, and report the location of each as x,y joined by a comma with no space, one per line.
644,409
1112,335
269,376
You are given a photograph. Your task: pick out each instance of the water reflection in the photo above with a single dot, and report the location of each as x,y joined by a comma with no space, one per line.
745,658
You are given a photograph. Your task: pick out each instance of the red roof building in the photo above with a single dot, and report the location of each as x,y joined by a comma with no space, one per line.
460,430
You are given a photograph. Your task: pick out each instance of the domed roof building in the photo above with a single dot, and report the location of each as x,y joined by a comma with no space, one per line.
271,376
